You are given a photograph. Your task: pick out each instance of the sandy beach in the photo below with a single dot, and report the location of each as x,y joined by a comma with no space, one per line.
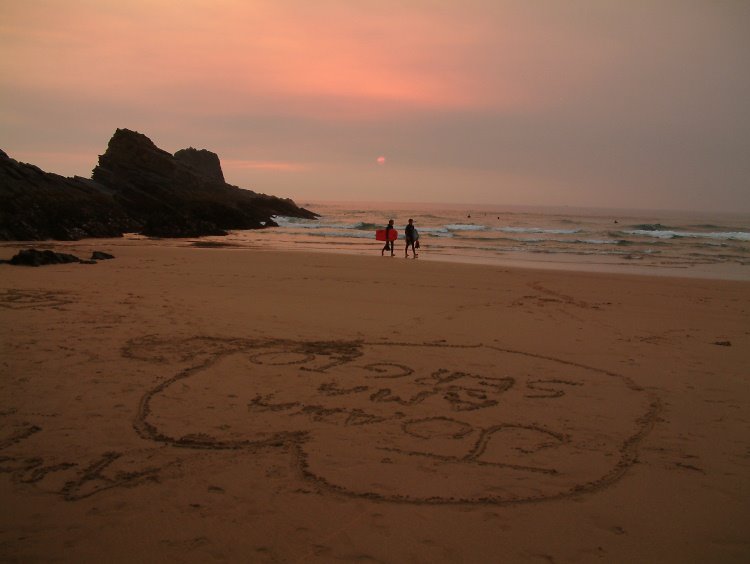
184,404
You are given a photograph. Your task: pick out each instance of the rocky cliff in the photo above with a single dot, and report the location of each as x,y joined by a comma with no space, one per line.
37,205
136,187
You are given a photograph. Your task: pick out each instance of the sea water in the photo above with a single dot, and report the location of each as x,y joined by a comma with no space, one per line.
674,243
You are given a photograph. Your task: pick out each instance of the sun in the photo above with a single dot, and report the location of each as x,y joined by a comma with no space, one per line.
381,160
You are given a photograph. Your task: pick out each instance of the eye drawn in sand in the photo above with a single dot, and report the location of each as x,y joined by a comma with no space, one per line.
546,296
33,299
468,425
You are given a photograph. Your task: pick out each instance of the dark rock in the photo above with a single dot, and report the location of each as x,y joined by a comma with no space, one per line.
136,187
99,255
202,161
36,205
212,244
185,196
32,257
723,343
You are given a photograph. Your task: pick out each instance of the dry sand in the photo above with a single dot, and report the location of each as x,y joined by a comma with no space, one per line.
193,404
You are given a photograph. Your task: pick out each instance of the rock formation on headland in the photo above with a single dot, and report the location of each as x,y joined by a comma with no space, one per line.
203,161
36,205
136,187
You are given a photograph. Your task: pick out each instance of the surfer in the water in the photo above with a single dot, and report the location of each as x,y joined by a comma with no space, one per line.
410,234
388,241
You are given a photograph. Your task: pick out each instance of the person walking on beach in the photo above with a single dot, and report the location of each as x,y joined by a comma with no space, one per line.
388,242
411,235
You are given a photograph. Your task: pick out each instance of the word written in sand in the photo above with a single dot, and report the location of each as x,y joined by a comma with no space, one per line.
469,425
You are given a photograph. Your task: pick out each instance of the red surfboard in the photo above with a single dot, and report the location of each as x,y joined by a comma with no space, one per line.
380,235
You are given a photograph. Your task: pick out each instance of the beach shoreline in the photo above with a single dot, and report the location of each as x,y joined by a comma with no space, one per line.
186,403
679,243
532,261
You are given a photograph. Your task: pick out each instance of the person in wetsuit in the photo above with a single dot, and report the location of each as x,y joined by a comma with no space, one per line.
411,236
388,242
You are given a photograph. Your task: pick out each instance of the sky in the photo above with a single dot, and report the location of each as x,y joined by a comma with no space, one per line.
604,103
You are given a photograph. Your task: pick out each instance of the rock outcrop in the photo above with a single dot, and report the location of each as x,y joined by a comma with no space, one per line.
202,161
101,255
136,187
33,257
37,205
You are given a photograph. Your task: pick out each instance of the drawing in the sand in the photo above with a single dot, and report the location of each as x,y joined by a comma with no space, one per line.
361,420
34,299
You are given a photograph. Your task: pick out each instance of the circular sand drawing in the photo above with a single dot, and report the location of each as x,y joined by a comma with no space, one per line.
403,422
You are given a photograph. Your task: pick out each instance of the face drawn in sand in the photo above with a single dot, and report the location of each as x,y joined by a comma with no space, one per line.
458,425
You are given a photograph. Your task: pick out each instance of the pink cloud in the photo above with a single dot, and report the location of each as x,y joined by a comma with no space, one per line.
319,59
235,164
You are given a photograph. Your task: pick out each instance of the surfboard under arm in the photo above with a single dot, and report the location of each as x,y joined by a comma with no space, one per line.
380,235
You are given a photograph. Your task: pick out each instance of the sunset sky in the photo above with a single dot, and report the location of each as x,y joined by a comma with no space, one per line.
630,103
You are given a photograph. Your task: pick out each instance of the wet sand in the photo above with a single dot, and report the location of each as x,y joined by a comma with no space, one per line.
191,404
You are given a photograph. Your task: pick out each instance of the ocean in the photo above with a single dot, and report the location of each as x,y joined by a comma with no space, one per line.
675,243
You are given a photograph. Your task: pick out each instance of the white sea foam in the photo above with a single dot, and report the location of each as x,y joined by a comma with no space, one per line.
465,227
599,241
298,223
435,231
496,233
344,234
537,230
724,236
